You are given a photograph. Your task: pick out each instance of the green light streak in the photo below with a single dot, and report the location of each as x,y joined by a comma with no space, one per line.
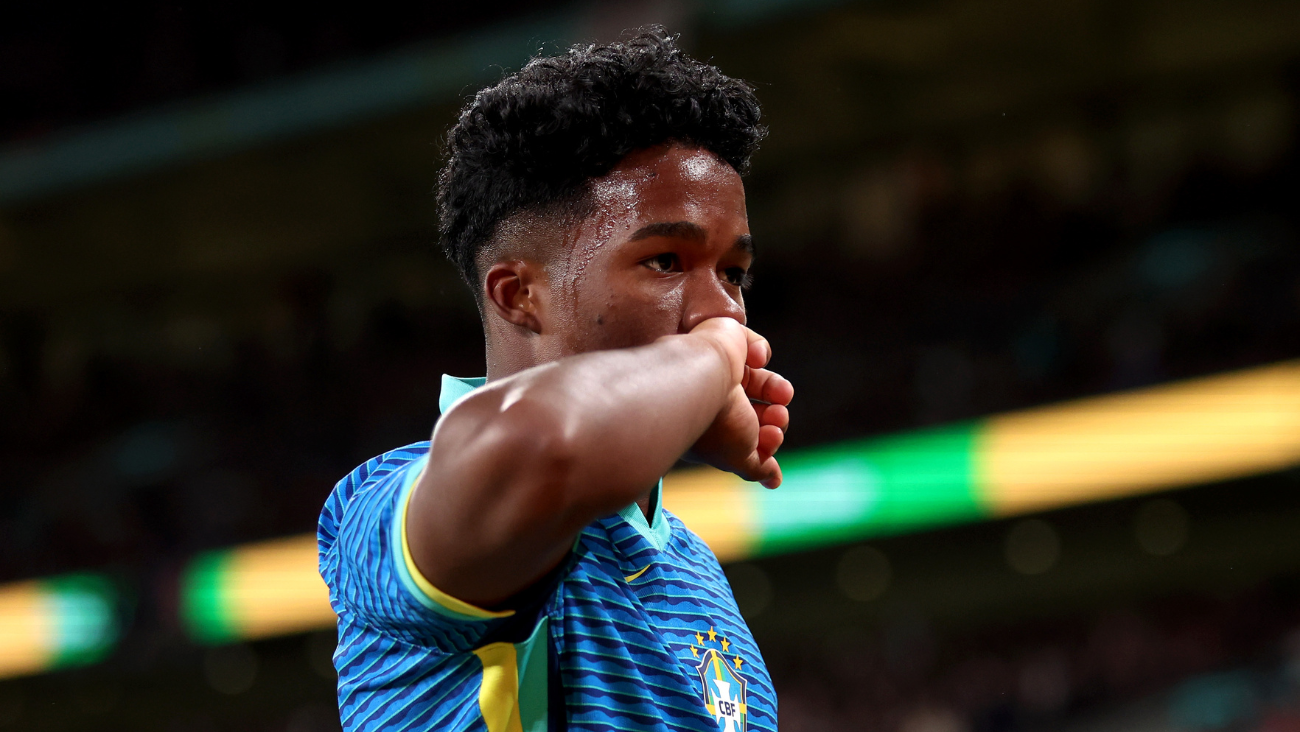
864,488
203,609
84,608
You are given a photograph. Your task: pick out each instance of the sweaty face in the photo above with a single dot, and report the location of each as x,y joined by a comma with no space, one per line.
667,247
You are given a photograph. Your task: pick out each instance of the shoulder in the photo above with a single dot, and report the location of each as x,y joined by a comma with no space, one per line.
366,474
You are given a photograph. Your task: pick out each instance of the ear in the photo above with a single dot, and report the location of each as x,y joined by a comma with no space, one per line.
513,290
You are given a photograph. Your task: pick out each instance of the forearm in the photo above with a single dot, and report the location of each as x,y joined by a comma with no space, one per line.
520,466
613,421
633,413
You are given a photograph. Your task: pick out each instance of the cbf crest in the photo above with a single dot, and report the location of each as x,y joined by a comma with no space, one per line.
724,691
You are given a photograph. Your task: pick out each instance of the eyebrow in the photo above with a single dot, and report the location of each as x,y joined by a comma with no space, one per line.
670,230
687,230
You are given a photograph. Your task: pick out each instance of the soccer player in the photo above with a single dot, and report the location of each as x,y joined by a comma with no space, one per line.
518,573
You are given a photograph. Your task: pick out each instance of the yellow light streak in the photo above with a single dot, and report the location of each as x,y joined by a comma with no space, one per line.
274,588
713,505
1197,431
27,632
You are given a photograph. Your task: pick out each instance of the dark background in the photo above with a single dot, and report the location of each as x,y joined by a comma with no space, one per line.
963,208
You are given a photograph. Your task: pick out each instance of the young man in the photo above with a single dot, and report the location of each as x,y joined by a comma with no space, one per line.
517,572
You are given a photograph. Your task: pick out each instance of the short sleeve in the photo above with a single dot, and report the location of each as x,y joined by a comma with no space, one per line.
366,563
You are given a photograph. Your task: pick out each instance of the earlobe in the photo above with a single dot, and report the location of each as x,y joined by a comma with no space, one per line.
510,291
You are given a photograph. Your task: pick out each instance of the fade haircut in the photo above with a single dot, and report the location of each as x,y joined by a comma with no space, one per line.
533,141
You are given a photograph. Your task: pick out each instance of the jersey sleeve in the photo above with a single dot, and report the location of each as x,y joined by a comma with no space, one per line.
366,562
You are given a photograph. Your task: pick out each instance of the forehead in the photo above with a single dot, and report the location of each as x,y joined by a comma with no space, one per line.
672,183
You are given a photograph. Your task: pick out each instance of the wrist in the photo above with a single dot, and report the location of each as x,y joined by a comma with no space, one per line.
729,340
730,359
707,349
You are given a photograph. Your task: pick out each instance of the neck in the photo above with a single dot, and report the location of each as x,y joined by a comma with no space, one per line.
643,501
507,356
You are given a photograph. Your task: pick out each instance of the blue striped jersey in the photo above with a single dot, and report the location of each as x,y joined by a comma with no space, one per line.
637,630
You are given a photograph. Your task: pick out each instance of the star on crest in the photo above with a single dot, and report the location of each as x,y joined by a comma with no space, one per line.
737,661
725,644
699,638
695,651
712,634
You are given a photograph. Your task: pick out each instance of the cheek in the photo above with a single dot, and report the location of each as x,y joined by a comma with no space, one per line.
633,313
659,308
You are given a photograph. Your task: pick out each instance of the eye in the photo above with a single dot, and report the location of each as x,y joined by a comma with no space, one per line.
738,277
663,263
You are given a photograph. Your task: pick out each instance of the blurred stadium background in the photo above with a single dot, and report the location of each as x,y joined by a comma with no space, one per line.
220,290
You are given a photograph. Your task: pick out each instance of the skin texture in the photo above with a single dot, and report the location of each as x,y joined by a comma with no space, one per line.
615,346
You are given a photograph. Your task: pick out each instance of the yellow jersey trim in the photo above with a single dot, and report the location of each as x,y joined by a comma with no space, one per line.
498,697
636,574
425,586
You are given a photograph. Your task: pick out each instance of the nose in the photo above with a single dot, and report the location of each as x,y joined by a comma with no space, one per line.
707,297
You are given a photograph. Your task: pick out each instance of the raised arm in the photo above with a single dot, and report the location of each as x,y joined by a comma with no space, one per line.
523,464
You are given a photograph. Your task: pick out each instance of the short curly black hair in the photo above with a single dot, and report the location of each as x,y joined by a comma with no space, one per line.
535,139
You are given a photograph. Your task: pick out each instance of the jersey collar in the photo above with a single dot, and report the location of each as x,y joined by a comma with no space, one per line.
454,388
655,530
